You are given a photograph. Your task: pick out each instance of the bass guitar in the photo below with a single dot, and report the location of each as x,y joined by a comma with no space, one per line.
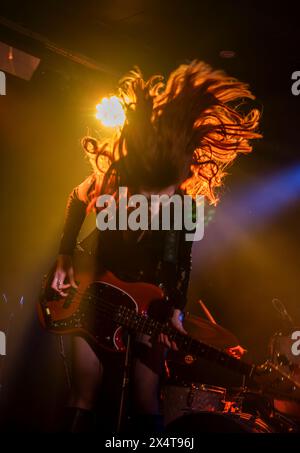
103,306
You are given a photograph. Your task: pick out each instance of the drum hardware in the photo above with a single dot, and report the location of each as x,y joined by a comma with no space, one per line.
189,398
237,410
282,357
255,403
281,309
218,422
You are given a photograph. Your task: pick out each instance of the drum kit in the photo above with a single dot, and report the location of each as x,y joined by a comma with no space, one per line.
198,397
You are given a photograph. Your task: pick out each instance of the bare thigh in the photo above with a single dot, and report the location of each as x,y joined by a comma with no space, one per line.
146,377
87,372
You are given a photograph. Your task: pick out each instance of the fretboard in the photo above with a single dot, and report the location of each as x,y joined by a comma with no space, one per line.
143,324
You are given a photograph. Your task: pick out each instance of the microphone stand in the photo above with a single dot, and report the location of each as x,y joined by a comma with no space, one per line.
7,335
125,383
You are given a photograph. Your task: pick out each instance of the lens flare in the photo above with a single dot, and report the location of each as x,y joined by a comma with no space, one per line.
110,112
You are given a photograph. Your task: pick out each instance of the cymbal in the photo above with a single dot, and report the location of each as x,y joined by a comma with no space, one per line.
202,330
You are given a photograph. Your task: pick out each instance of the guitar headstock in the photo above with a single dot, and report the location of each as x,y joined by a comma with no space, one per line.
273,380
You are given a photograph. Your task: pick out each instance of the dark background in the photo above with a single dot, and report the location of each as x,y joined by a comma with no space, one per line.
250,252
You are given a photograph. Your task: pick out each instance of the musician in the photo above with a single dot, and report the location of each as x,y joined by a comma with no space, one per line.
178,137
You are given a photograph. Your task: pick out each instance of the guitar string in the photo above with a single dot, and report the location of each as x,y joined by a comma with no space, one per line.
110,309
155,328
96,297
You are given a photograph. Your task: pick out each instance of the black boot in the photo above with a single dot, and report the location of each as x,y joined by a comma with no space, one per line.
78,420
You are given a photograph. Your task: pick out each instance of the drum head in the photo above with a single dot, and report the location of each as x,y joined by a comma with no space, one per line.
211,422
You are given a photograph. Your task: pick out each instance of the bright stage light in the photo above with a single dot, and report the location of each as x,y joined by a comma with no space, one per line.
110,112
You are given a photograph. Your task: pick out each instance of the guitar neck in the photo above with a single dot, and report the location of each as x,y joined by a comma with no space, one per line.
142,324
199,349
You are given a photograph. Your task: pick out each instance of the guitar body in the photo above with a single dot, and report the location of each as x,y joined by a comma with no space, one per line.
92,309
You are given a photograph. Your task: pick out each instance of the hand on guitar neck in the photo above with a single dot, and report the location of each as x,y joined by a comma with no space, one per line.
237,351
176,322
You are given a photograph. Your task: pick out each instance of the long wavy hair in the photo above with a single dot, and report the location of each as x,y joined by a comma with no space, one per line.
185,131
